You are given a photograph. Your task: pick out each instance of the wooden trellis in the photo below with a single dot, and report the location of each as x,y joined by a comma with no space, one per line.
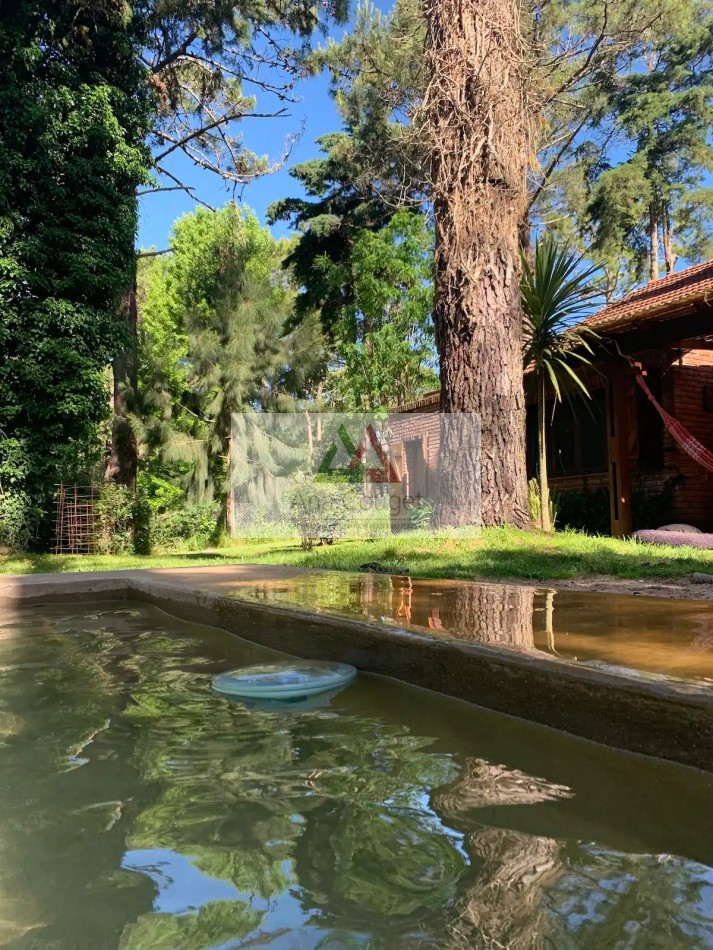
75,519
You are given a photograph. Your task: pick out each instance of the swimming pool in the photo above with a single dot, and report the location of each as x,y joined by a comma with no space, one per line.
141,811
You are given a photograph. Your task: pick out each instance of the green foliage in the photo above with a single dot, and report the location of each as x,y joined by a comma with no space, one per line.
418,516
18,521
320,509
71,157
535,505
556,292
366,269
645,154
383,337
184,526
114,525
342,202
213,340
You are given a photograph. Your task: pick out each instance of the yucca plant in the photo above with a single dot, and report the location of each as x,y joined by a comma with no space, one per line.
557,291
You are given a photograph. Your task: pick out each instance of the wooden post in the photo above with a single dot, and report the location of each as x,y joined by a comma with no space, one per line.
620,431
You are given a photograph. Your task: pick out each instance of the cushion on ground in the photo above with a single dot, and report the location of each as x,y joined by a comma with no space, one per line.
680,528
676,538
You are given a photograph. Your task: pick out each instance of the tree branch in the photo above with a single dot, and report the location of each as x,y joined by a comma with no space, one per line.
166,250
189,189
215,124
555,162
176,54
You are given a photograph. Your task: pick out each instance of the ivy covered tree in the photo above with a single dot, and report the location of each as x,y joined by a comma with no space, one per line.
73,118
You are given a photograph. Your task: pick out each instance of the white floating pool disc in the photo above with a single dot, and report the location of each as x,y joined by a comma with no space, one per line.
283,681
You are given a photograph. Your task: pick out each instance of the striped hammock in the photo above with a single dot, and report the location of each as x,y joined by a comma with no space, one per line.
690,445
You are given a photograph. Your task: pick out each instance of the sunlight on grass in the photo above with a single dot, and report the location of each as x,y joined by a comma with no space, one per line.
498,552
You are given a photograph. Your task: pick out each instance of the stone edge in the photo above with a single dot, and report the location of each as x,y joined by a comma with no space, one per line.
661,719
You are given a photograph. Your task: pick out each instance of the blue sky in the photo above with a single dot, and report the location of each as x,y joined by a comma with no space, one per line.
264,137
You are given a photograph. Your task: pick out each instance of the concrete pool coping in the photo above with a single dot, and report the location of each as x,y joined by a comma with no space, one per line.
664,718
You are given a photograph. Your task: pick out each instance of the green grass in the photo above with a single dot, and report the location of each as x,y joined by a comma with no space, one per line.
497,553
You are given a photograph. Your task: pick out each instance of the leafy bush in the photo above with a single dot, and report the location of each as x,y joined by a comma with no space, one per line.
164,520
114,525
586,511
188,526
17,521
320,509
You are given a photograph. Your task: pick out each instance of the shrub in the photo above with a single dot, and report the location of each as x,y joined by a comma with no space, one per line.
114,524
189,526
320,509
18,521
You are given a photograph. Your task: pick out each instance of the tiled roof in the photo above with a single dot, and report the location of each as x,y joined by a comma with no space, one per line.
672,293
428,399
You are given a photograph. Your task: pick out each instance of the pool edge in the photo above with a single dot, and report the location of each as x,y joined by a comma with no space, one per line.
661,719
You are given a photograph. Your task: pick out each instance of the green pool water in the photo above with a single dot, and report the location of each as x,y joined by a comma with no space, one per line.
141,811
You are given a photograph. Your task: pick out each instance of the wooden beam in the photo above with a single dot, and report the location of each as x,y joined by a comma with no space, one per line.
647,334
621,431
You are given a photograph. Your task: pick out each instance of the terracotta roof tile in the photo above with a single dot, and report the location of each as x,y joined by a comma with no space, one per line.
428,399
687,286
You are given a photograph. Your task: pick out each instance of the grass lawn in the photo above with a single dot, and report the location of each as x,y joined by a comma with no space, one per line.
498,552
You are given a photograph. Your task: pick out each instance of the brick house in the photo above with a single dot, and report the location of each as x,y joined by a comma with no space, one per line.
614,457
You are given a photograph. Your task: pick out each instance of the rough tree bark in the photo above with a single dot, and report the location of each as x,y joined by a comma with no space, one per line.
476,122
122,463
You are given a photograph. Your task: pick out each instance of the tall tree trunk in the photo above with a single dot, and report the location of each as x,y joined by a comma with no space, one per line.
545,522
653,241
669,256
122,464
476,119
229,497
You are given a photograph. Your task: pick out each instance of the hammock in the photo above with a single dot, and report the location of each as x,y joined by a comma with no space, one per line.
690,445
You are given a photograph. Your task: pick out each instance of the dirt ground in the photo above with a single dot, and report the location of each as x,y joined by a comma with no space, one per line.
682,588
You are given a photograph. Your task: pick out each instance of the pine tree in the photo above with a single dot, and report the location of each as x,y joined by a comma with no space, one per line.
216,316
656,201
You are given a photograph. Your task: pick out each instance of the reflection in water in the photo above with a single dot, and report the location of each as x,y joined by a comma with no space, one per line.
652,635
140,811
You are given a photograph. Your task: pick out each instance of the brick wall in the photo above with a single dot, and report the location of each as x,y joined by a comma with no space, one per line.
425,424
692,405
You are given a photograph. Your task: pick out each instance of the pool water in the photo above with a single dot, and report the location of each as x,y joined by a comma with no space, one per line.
664,637
141,811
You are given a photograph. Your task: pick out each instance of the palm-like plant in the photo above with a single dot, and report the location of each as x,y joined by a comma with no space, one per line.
557,291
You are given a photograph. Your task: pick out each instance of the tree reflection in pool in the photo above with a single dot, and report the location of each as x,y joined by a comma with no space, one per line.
141,811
